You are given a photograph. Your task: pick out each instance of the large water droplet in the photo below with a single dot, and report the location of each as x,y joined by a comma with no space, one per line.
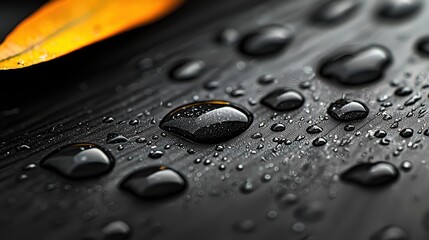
208,122
283,100
187,69
155,182
266,41
390,233
357,66
82,160
334,12
371,174
398,9
348,110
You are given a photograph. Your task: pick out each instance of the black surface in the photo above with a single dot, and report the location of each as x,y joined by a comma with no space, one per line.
64,101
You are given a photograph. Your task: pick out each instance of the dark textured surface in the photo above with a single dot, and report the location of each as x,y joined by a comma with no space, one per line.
64,101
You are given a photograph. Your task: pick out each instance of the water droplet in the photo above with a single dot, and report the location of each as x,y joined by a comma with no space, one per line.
380,133
406,133
156,154
357,66
208,122
117,230
266,41
247,187
108,119
349,127
310,212
422,46
406,165
412,100
403,91
187,69
155,182
348,110
22,147
278,127
371,174
398,9
320,141
82,160
334,12
228,36
245,226
314,129
283,100
390,233
266,79
385,141
115,138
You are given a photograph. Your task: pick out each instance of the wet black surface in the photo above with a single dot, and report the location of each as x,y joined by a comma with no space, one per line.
260,184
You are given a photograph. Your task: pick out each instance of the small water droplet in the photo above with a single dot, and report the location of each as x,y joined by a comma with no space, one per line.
245,226
278,127
334,12
314,129
156,154
266,41
371,174
115,138
380,133
357,66
310,212
247,187
398,9
320,141
117,230
108,119
228,36
406,165
155,182
283,100
390,233
82,160
266,79
187,69
406,133
349,127
207,122
348,110
403,91
422,46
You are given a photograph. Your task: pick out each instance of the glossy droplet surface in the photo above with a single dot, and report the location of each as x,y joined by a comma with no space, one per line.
334,12
422,46
406,132
187,69
314,129
357,66
117,230
155,182
266,41
390,233
283,100
403,91
348,110
398,9
79,161
208,122
320,141
371,174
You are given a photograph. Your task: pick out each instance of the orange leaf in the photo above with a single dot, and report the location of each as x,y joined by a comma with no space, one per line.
63,26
